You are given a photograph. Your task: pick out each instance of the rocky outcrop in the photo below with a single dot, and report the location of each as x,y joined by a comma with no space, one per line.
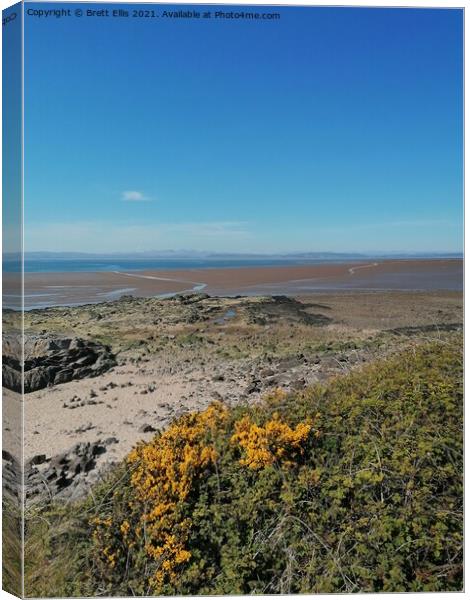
69,474
286,309
11,475
50,360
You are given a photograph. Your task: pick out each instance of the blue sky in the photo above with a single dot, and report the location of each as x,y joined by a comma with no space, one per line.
325,130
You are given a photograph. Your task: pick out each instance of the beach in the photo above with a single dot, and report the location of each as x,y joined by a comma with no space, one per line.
75,288
157,358
113,358
174,340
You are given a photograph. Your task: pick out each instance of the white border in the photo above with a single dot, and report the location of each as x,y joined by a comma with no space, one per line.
351,3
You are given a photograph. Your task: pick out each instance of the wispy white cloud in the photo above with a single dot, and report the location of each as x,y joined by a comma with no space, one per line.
95,236
389,225
134,196
209,229
240,236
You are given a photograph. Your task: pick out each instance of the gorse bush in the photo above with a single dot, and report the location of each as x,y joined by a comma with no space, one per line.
165,477
273,443
154,525
354,486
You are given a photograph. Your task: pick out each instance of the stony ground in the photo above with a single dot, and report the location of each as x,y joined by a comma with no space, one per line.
163,357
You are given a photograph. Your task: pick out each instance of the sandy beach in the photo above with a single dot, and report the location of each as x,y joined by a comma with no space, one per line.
231,334
178,354
150,387
56,289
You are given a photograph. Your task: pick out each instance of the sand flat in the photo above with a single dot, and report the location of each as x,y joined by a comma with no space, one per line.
55,289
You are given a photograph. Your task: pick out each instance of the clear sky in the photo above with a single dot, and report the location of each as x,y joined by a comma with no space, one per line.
328,129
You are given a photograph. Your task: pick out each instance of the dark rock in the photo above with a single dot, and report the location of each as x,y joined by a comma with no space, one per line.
51,360
76,466
11,378
11,476
191,297
253,387
267,372
111,440
65,471
37,379
82,372
63,376
38,459
7,456
146,428
84,428
85,360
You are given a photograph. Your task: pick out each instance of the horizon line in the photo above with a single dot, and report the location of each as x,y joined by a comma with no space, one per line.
208,253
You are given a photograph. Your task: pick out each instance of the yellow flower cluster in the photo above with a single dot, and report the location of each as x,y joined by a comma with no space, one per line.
275,441
125,527
163,474
156,522
103,535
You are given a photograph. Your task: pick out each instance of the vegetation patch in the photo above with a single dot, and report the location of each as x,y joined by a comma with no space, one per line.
351,487
11,545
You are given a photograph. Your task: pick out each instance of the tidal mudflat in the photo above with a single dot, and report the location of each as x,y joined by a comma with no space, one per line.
75,288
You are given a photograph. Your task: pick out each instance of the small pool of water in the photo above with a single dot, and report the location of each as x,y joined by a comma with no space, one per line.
228,314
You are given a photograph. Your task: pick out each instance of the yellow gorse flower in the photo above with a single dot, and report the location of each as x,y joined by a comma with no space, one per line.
125,527
163,474
275,441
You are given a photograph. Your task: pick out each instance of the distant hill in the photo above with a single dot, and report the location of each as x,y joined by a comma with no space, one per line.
188,254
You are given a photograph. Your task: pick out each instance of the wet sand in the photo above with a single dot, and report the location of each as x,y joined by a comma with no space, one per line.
56,289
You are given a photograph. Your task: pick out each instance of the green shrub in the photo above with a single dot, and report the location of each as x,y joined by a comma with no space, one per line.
358,488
